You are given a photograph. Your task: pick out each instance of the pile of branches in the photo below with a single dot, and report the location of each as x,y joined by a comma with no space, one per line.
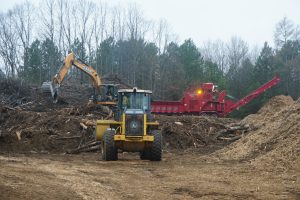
182,132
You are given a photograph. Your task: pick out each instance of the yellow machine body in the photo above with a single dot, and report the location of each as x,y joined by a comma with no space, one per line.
122,141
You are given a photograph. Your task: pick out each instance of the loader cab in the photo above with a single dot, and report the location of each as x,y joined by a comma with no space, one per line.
133,101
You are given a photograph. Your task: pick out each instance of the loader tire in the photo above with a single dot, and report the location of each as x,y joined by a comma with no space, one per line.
109,151
156,149
145,155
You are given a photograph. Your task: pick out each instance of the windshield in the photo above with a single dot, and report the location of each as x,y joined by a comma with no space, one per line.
135,101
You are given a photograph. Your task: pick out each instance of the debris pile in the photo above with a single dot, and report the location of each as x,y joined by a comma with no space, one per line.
14,92
274,139
30,122
36,124
51,131
182,132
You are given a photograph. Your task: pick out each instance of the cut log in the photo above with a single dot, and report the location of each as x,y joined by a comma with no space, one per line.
178,123
66,138
90,123
83,126
231,138
221,132
18,134
85,147
10,108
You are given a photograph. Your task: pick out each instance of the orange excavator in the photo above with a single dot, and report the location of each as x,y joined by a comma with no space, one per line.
104,94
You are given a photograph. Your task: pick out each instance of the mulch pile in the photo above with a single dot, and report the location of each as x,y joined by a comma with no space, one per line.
274,139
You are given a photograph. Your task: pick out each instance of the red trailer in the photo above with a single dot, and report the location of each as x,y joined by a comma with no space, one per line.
206,99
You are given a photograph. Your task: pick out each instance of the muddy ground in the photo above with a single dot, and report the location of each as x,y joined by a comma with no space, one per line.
180,175
203,157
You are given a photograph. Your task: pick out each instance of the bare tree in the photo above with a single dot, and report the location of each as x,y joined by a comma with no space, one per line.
47,16
216,51
24,18
161,31
60,20
89,42
99,22
237,53
136,24
85,9
284,31
67,26
120,16
9,43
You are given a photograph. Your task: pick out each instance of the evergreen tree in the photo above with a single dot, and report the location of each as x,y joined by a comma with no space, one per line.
192,61
264,67
32,71
51,59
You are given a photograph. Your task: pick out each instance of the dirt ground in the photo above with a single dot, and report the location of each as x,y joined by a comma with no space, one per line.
180,175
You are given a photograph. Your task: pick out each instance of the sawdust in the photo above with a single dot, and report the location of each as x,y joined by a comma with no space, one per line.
274,141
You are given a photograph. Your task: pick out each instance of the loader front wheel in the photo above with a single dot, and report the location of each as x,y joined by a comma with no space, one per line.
145,155
109,151
156,149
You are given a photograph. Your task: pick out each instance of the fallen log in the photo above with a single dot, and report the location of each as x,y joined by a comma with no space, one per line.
18,134
231,139
9,108
66,138
82,148
93,148
89,122
83,126
234,128
25,104
221,132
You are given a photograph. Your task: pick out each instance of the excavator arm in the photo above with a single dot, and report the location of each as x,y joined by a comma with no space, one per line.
69,61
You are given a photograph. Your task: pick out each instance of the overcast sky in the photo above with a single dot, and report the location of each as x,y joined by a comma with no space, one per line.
202,20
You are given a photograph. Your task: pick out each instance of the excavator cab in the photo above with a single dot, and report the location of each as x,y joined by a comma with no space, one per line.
132,129
108,94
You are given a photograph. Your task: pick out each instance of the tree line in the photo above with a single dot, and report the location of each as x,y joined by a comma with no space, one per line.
120,40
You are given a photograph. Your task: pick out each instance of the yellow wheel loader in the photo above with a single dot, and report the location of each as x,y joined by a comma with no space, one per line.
132,129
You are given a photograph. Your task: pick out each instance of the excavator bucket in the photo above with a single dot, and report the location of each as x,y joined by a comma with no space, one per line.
47,88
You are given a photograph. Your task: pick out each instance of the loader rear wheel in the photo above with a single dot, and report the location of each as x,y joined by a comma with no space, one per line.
156,149
109,151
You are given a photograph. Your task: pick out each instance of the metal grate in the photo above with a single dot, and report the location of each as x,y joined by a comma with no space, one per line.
134,125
